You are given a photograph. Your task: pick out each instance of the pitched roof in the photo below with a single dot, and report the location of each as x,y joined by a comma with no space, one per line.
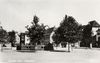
98,30
94,23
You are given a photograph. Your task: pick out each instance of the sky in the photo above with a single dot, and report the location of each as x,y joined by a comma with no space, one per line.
16,14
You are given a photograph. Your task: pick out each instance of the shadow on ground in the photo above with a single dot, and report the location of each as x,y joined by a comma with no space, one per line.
39,50
26,51
58,51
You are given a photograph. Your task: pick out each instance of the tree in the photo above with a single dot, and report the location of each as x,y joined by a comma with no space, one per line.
12,37
3,35
36,31
88,34
67,31
57,36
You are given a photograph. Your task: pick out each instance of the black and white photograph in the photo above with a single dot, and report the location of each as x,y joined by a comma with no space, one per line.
49,31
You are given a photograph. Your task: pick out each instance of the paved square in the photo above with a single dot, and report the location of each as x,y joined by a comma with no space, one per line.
76,56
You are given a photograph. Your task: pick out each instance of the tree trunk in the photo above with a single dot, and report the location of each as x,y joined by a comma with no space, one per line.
1,47
56,46
79,43
90,45
69,47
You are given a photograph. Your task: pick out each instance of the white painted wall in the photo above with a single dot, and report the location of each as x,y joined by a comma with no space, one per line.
17,38
94,29
27,40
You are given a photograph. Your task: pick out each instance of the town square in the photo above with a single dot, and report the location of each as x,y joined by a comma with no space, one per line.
49,31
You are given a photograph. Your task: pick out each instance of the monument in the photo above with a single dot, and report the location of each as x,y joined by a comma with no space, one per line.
49,46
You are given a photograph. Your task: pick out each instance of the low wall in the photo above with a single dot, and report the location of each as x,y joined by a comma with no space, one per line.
26,47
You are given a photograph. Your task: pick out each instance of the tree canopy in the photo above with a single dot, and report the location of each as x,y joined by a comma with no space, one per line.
12,37
3,35
87,32
67,31
36,31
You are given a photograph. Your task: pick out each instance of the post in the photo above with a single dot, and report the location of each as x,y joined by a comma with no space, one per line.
11,46
91,42
69,47
90,45
1,47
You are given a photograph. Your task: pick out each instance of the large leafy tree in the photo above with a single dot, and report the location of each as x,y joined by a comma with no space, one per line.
12,37
3,35
36,31
88,37
87,34
67,31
